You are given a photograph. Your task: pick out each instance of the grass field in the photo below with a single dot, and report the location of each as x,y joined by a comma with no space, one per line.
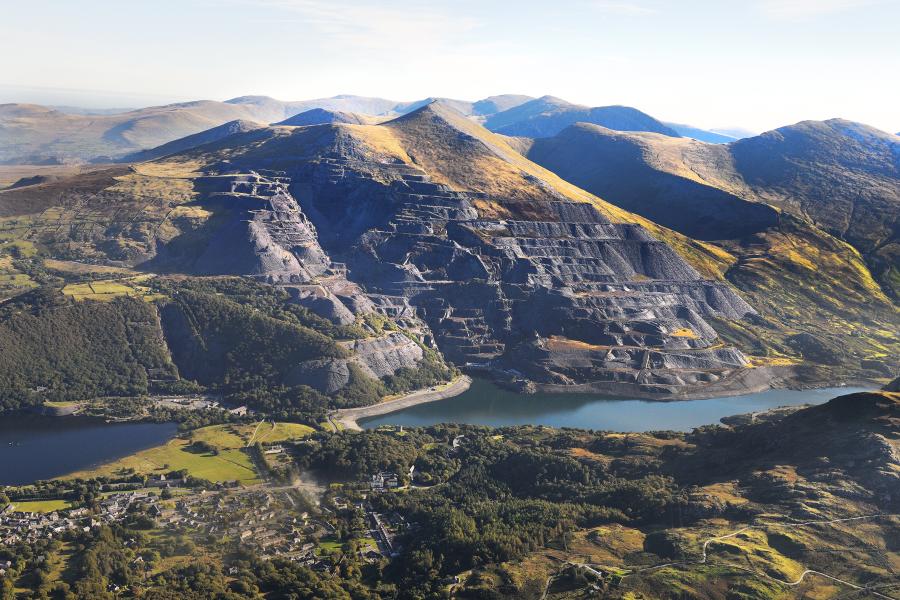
271,433
231,463
61,404
12,281
329,545
42,506
108,290
239,436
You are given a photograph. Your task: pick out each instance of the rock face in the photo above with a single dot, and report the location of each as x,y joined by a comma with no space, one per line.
554,291
264,233
375,357
260,231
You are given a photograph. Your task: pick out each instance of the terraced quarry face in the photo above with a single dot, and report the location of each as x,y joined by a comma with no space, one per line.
497,255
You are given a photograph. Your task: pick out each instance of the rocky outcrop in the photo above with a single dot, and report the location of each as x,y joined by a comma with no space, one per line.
376,357
264,233
383,356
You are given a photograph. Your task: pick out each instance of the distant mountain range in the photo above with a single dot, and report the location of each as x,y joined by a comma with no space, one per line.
547,116
33,134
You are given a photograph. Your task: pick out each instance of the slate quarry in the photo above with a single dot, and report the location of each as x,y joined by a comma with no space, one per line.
560,296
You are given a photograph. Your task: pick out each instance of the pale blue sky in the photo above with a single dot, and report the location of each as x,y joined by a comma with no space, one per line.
756,63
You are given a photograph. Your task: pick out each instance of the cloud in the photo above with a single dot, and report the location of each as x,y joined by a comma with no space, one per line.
800,9
369,25
630,9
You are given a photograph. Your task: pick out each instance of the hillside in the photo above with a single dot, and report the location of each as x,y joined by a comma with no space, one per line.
36,134
801,504
843,177
547,116
321,116
192,141
32,134
801,278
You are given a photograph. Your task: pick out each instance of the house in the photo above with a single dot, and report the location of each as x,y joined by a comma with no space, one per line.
384,480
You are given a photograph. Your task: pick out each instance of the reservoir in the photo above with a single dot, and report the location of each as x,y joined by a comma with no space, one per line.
487,404
34,447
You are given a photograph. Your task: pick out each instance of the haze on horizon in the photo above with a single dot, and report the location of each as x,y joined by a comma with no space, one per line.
760,65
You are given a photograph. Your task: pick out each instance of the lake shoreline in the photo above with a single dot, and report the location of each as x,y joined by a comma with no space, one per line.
749,381
488,404
347,418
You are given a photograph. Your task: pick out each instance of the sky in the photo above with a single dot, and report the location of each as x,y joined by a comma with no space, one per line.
756,64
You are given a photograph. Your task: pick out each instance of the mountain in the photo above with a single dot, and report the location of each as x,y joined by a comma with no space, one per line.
702,135
506,264
435,216
547,116
495,104
79,110
36,134
192,141
321,116
796,272
526,110
842,176
32,134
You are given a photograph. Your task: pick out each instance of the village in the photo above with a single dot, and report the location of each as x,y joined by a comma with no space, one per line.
272,520
30,526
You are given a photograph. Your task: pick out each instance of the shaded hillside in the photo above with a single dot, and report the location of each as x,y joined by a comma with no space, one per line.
843,176
800,277
547,116
321,116
620,166
192,141
852,438
54,349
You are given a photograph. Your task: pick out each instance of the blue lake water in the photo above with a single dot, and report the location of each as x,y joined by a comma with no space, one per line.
34,447
487,404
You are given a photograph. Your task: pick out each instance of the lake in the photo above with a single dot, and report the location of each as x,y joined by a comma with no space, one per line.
488,404
34,447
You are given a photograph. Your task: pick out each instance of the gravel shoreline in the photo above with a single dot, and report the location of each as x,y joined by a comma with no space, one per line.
348,417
